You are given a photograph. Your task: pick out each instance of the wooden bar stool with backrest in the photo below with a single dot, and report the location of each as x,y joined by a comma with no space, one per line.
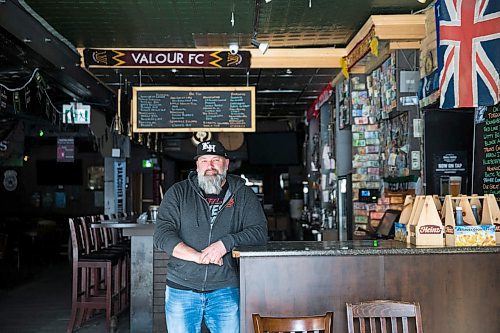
321,323
88,292
383,316
104,240
98,245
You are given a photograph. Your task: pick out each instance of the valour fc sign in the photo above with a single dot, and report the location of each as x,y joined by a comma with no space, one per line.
163,58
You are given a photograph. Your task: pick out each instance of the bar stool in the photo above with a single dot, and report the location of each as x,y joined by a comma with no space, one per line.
89,292
105,239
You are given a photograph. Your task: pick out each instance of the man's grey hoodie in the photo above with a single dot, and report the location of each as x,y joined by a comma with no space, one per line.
184,216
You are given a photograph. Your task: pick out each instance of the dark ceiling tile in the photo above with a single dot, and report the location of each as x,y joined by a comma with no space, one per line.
201,23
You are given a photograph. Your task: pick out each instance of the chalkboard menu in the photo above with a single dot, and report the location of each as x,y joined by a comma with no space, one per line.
487,156
192,109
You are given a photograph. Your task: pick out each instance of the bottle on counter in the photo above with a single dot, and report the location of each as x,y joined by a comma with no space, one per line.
459,219
476,214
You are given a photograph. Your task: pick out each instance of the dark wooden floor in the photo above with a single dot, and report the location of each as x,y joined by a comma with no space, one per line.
40,301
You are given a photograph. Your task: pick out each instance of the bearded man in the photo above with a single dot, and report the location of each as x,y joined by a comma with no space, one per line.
200,220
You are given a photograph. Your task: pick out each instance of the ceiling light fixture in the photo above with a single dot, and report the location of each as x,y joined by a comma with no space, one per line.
268,1
260,45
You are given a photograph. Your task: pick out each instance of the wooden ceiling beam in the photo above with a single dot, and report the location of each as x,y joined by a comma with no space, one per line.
297,58
404,32
391,27
404,45
399,27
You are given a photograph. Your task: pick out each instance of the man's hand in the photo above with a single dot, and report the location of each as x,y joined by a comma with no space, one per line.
184,252
213,254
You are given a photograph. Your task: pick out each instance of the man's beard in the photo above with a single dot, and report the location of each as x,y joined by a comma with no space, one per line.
211,184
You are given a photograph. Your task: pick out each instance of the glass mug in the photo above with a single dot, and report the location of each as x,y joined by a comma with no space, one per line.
455,185
153,213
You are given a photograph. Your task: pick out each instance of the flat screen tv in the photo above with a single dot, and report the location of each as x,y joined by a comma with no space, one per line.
51,172
273,148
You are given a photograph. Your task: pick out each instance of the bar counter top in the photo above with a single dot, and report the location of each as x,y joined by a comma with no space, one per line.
137,229
352,248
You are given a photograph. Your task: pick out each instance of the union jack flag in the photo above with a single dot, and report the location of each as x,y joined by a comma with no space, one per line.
468,52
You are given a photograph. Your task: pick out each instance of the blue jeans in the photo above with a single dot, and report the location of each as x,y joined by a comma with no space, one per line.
185,309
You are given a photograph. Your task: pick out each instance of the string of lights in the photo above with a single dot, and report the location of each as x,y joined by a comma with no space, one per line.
55,114
35,75
24,85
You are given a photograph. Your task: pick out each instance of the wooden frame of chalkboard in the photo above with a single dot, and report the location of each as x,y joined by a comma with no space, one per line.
193,109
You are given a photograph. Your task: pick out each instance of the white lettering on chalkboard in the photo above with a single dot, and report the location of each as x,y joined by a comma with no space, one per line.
491,152
179,109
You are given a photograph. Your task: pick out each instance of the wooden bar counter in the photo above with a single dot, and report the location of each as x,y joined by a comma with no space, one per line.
457,287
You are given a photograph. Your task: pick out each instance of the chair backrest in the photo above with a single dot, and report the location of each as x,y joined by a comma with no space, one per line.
97,237
321,323
383,316
77,238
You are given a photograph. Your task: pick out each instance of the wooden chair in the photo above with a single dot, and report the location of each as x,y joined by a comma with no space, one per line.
383,316
321,323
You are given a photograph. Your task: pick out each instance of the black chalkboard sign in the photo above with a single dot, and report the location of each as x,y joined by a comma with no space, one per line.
192,109
487,151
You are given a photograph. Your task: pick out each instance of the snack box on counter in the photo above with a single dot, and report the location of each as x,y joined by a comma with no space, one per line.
470,235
